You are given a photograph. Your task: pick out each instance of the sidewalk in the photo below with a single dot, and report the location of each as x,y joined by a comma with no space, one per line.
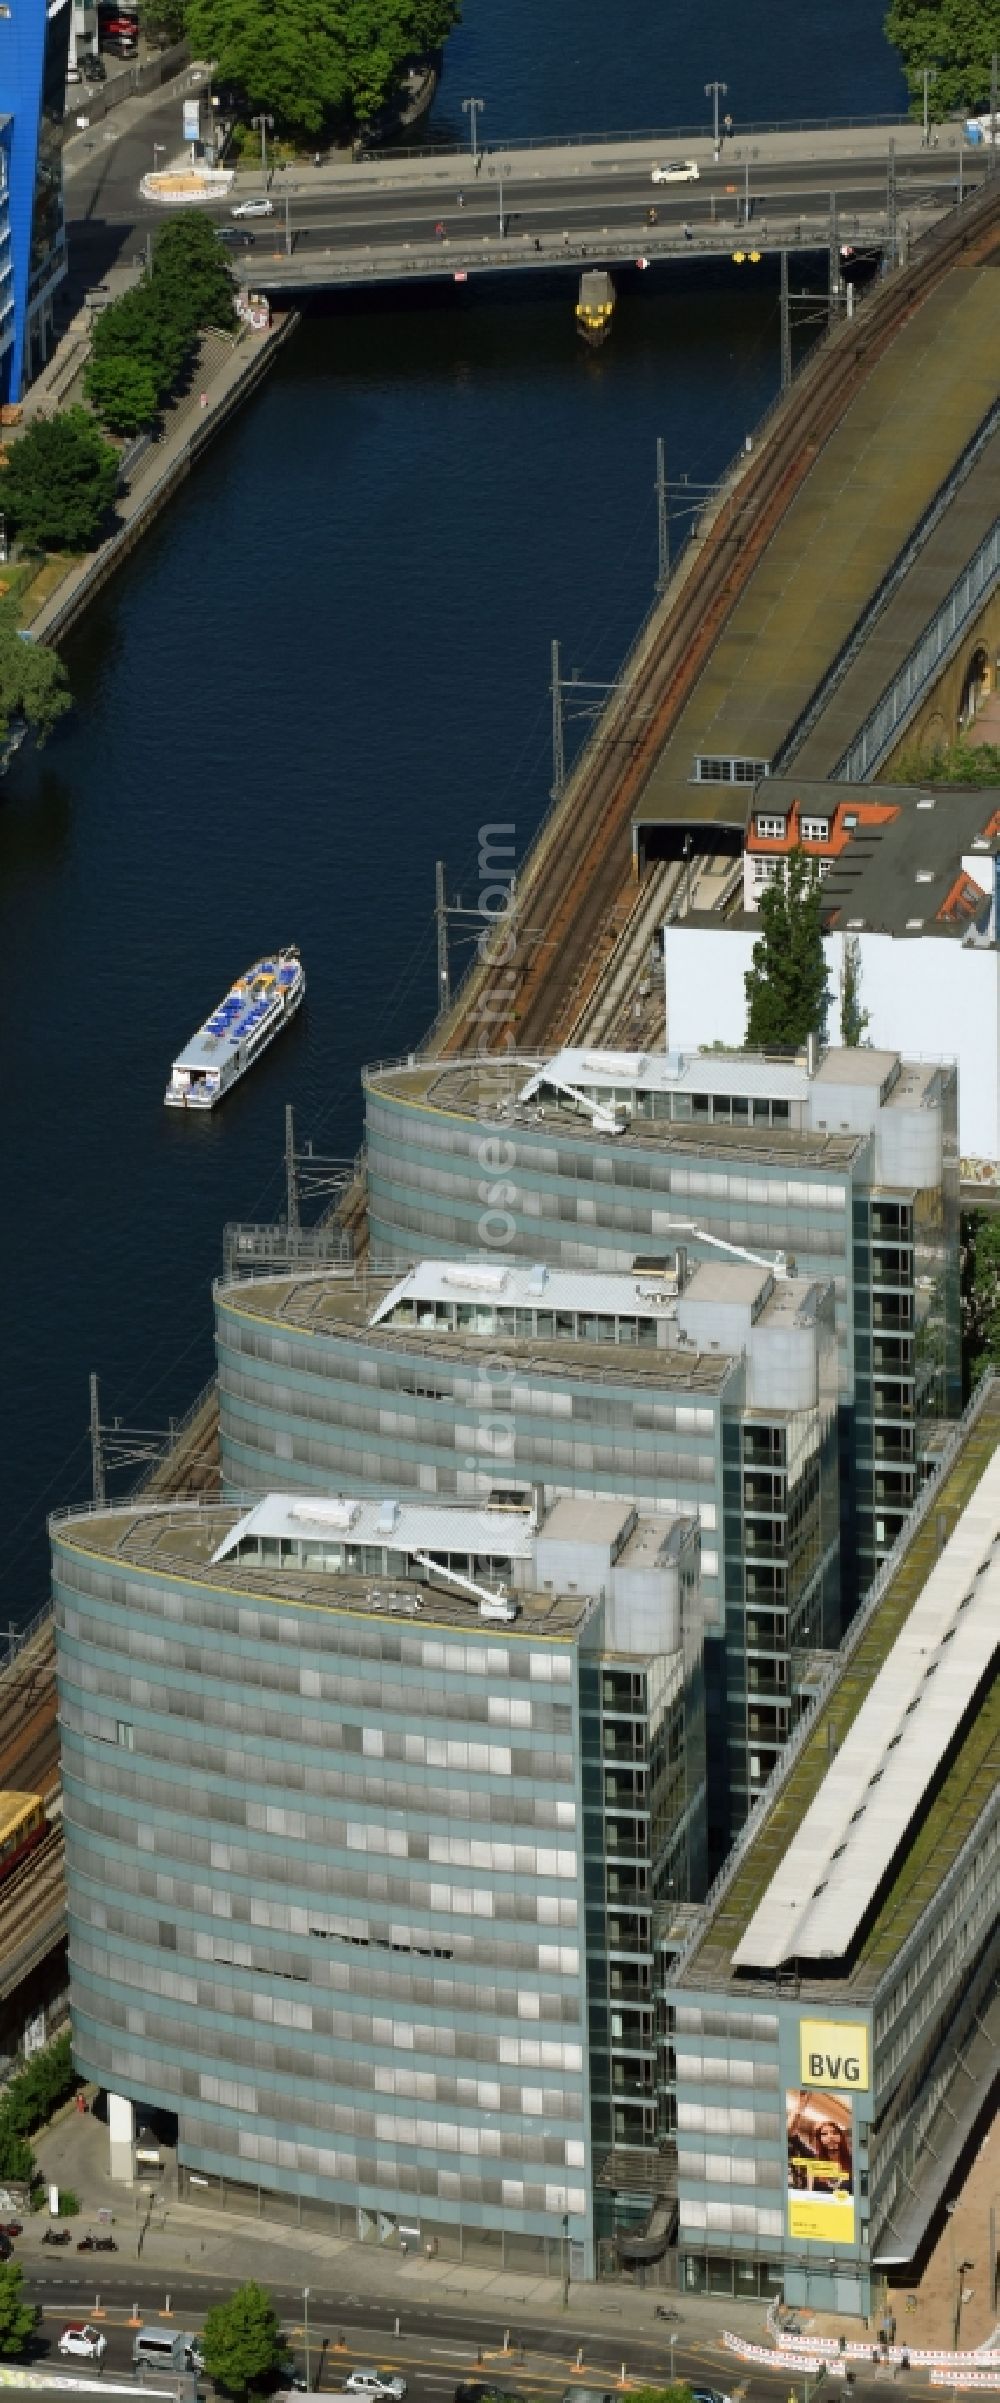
341,2273
455,169
127,113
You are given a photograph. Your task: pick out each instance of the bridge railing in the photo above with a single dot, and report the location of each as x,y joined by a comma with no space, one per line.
444,146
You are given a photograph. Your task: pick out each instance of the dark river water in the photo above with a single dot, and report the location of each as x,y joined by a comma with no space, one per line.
326,668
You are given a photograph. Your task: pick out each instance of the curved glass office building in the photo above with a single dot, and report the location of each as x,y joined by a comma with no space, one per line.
362,1852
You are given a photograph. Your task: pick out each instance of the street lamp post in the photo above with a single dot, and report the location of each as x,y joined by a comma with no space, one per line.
159,151
716,92
305,2318
288,221
264,125
470,109
565,2282
500,201
930,75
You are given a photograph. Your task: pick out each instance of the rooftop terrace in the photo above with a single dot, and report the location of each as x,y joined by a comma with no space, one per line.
179,1540
487,1094
968,1785
324,1306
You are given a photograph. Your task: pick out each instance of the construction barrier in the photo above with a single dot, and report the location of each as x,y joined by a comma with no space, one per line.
988,2358
745,2351
967,2378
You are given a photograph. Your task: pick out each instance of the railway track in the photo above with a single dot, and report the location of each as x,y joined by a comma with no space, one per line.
32,1912
580,867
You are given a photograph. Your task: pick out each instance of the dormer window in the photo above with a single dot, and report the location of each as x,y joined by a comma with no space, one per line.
815,830
771,829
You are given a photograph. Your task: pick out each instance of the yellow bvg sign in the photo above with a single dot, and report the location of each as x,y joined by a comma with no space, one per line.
834,2052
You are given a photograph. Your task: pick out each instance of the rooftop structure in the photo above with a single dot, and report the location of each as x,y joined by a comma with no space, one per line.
902,867
609,1161
853,1938
704,1387
362,1867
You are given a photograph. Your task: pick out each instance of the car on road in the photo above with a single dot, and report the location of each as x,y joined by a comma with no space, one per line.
83,2342
709,2394
676,171
472,2391
236,234
376,2382
11,2227
253,208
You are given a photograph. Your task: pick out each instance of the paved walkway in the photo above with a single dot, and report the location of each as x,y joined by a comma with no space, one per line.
223,363
181,2238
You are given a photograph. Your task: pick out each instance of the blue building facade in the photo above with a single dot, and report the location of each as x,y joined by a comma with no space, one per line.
34,54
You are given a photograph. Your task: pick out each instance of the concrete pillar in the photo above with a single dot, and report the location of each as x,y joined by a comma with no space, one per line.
121,2129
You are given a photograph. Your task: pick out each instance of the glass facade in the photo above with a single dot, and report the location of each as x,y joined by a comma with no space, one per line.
34,55
431,1409
859,1187
361,1880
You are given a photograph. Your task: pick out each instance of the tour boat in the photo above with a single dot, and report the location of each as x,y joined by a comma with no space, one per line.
255,1009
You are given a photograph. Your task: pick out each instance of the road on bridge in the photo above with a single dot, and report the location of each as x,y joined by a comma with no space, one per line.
566,199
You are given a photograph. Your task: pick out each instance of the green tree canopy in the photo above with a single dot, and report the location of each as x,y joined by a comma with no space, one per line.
787,992
191,279
162,21
957,38
123,392
311,60
980,1293
16,2157
139,326
950,763
18,2319
59,481
242,2342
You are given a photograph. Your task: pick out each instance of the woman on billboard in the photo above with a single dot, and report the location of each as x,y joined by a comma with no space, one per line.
820,2142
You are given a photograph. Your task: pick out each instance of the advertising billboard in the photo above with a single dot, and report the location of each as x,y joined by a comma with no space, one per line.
834,2052
820,2136
191,113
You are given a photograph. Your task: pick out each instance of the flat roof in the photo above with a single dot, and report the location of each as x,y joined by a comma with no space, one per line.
673,1072
484,1091
880,1911
871,483
874,1787
402,1526
321,1305
181,1540
517,1285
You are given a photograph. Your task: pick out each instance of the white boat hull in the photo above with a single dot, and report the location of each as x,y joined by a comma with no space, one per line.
202,1095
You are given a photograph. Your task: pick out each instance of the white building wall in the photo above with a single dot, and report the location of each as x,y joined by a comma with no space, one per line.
929,998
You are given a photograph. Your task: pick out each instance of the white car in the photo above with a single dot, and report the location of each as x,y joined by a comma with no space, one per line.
87,2344
673,171
253,208
376,2382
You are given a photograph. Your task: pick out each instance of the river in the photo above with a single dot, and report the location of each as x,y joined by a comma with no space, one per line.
326,668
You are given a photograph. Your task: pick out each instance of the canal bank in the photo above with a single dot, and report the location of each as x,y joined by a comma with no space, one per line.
228,370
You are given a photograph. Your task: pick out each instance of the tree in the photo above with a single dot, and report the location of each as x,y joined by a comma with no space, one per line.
242,2342
59,481
18,2319
949,763
853,1019
16,2157
147,327
123,392
307,61
191,279
980,1293
787,991
955,37
162,21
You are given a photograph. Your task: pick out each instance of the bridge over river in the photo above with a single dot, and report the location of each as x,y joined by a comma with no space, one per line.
440,215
